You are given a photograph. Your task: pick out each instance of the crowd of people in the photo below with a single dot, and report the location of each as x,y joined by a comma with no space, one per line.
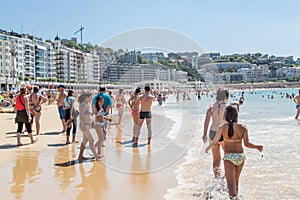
221,127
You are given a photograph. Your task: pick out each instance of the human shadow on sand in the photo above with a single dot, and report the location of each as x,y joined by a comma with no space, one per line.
73,162
8,133
57,145
124,142
139,145
10,146
51,133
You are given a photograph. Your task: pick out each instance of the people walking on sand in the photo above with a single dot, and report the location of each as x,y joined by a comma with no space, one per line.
297,101
215,112
134,103
85,125
145,113
23,116
100,120
60,105
233,133
120,101
35,105
69,118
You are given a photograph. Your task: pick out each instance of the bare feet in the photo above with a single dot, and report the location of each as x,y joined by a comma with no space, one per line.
82,159
34,141
149,140
134,145
19,144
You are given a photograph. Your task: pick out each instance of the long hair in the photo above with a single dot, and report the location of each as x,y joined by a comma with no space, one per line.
100,98
231,115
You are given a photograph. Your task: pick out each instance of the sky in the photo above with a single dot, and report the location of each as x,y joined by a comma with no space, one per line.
225,26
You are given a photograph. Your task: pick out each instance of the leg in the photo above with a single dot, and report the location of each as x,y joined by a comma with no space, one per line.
82,147
29,130
68,135
120,113
297,114
101,137
20,127
148,121
90,138
74,131
137,133
63,122
238,170
217,160
230,178
37,122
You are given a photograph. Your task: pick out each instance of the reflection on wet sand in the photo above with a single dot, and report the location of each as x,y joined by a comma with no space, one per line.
24,172
65,174
93,183
139,172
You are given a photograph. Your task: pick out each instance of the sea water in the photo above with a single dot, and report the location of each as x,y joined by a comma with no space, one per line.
273,174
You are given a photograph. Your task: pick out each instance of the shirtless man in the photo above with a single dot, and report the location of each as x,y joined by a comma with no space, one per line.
60,105
145,113
297,101
35,106
119,102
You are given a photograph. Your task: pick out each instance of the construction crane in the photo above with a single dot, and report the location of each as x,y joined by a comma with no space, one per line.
81,29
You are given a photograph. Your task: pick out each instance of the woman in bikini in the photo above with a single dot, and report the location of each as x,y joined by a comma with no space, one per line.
35,106
85,118
216,113
119,102
134,103
233,133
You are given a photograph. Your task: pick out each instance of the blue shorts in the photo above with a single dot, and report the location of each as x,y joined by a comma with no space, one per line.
297,106
62,112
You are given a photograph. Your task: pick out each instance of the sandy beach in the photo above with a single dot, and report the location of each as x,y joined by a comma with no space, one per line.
48,169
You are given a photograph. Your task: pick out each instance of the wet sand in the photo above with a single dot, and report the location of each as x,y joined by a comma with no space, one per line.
48,169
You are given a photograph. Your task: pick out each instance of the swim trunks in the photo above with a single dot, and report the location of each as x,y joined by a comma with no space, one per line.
62,112
146,114
212,135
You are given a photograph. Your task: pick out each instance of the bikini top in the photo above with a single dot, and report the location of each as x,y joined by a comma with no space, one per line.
100,113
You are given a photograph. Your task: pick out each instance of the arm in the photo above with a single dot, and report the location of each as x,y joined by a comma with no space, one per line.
236,104
248,144
206,123
71,108
216,139
43,99
27,108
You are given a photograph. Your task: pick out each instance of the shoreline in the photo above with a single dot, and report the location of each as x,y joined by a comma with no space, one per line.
271,85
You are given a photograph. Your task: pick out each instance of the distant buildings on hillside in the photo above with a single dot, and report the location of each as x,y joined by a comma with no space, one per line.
26,57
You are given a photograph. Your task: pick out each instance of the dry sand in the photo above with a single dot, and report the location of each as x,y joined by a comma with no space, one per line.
48,169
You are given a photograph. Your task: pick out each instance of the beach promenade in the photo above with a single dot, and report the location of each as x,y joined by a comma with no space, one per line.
48,169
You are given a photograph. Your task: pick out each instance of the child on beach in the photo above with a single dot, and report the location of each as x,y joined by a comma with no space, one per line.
100,121
233,133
